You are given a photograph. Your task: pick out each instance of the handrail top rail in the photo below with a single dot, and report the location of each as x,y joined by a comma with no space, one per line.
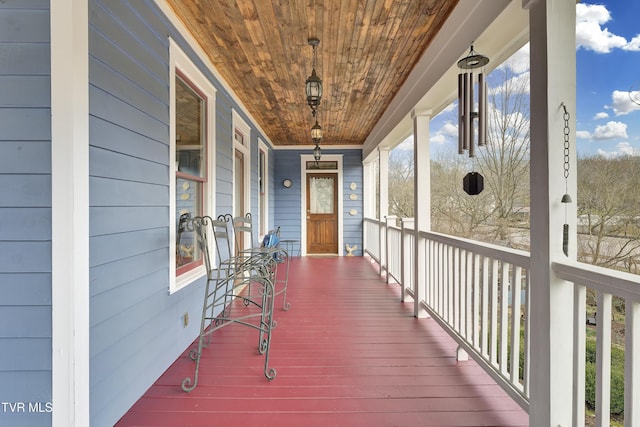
510,255
615,282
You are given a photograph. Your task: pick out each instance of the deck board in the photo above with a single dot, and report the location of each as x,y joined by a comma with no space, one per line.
347,353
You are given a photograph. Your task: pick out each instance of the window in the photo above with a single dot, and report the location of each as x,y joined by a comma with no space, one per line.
263,187
192,190
191,169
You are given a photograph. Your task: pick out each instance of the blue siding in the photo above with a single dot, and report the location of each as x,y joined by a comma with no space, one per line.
25,210
352,173
287,200
136,326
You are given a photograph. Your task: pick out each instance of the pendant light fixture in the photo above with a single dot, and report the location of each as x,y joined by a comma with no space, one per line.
313,85
316,136
317,153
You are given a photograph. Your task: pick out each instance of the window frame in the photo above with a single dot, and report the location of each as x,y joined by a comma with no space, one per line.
240,127
263,184
180,65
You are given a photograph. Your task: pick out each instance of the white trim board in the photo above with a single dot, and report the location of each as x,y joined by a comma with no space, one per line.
69,21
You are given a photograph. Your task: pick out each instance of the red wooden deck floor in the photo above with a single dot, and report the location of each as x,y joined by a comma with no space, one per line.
347,353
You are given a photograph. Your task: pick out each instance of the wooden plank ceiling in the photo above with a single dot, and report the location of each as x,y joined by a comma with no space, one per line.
367,49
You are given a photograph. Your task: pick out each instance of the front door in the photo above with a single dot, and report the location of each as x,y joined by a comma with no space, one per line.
322,213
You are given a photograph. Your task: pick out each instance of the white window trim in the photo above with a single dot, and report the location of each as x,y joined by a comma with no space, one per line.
243,127
304,158
178,59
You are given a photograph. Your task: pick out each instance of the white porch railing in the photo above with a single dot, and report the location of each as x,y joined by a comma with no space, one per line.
479,293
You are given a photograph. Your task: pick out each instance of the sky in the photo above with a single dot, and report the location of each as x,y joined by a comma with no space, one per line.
607,77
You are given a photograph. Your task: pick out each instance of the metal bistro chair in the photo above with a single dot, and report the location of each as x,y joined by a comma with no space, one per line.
243,227
224,280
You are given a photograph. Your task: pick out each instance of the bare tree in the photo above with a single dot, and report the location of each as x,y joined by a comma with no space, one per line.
454,211
401,183
504,161
608,207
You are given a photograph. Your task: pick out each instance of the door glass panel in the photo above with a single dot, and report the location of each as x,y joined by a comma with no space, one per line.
321,195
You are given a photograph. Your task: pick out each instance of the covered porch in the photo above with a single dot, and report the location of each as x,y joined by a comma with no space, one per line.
347,353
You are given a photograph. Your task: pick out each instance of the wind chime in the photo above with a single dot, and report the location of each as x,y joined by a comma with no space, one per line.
566,199
473,182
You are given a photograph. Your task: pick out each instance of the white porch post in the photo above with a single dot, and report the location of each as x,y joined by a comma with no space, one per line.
368,201
70,211
553,83
421,201
368,190
383,179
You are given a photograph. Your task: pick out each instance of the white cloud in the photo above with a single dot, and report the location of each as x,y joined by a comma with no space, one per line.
406,145
447,133
515,85
583,134
622,149
611,130
519,61
600,115
622,102
438,139
449,129
589,32
634,44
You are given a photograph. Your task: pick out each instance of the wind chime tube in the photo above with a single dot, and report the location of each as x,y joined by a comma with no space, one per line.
460,113
471,136
482,110
467,112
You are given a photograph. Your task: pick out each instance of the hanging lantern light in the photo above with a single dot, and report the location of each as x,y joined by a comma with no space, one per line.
317,153
316,132
466,115
313,85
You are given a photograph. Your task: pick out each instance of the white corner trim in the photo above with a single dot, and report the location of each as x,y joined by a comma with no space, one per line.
69,21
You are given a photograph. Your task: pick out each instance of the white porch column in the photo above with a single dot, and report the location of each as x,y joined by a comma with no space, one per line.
421,201
553,82
383,179
70,211
368,190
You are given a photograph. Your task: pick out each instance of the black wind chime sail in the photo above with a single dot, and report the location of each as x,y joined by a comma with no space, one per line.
473,182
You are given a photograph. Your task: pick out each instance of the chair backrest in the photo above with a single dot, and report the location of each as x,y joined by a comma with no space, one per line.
242,227
206,227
